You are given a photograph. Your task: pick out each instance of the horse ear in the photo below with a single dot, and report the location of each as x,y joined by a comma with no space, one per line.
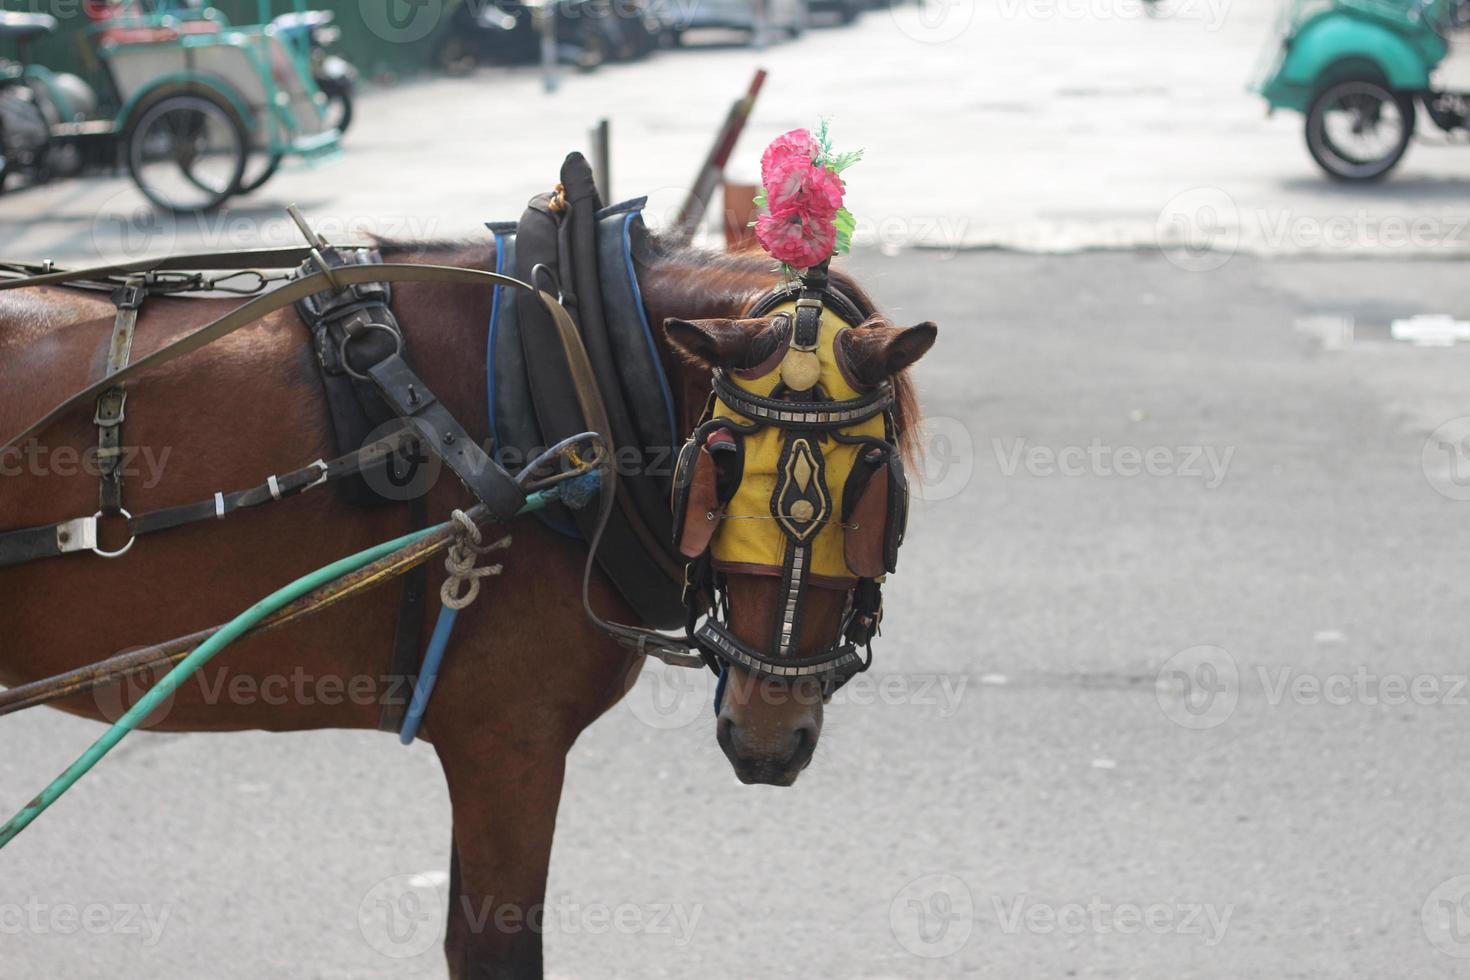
877,353
715,343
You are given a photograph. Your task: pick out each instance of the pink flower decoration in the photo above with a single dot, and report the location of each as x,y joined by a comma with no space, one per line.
813,190
795,146
795,237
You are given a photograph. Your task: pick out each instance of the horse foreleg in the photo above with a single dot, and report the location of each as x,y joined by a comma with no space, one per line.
504,816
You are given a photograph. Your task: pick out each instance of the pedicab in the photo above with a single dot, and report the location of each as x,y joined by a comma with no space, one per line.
201,99
1357,70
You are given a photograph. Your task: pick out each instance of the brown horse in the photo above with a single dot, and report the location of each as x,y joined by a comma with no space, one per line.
527,671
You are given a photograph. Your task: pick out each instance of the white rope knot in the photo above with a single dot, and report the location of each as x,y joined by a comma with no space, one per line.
463,585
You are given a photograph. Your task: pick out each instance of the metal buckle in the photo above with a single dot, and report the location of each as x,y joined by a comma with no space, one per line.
129,296
113,416
319,480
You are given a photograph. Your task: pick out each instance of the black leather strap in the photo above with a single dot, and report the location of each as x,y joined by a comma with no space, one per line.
783,414
65,537
438,430
840,661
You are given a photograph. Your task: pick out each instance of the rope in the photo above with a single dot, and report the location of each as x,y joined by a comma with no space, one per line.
463,585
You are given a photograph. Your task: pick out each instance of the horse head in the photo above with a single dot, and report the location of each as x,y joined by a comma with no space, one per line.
790,505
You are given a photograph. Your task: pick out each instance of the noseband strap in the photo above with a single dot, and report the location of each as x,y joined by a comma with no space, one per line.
840,661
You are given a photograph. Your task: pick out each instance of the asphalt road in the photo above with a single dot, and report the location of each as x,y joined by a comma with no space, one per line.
1021,786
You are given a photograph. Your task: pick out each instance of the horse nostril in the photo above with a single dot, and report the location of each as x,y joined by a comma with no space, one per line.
806,744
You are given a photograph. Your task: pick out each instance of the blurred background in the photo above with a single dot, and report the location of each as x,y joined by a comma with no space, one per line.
1173,681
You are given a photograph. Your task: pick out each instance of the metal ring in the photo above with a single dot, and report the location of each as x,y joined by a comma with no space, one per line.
121,551
370,325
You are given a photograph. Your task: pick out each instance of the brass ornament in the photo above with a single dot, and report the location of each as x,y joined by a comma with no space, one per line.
803,510
800,370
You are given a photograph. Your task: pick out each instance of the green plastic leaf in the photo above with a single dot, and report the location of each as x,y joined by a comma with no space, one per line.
842,161
845,224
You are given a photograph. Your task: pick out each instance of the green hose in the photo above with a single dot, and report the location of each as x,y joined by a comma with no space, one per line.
227,634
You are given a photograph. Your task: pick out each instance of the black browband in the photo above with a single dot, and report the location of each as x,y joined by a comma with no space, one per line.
781,414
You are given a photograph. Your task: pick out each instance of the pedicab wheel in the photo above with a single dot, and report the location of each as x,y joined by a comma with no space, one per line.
1359,130
254,181
187,152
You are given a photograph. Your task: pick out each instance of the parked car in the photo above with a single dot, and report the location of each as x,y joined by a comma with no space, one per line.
846,10
760,18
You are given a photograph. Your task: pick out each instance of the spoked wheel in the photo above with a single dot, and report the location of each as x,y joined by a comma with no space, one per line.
263,167
187,152
1359,130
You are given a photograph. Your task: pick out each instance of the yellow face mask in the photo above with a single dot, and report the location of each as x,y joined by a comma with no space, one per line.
793,473
811,468
794,466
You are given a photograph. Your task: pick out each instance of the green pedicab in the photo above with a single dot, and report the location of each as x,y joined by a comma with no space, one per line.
210,109
1357,70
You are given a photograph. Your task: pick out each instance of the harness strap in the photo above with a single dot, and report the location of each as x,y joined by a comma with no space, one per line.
109,417
492,485
66,537
30,274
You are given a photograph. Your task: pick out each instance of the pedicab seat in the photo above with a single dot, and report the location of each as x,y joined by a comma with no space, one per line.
24,28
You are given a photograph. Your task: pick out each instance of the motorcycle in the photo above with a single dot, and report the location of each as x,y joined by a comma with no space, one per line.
1357,69
588,32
